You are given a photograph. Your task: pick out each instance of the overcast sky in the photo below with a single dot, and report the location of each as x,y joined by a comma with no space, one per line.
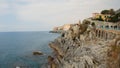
42,15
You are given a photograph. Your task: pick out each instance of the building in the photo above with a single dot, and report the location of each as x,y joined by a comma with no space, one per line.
105,17
95,15
102,17
113,16
118,11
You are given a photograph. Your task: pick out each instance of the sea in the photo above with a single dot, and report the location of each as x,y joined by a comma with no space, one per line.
16,49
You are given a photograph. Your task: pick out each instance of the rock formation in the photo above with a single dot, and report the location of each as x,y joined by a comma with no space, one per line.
37,53
76,49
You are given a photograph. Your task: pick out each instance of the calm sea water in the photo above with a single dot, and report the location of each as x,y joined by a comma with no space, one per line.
16,49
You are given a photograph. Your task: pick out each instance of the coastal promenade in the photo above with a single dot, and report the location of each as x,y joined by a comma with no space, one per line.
106,25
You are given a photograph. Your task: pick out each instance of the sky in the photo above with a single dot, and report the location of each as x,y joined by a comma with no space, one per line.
43,15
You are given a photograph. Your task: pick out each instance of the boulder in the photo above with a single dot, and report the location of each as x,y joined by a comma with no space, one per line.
37,53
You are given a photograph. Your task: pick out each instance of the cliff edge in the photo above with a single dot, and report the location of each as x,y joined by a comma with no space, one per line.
83,47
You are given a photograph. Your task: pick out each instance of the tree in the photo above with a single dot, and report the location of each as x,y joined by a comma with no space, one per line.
114,18
105,12
111,12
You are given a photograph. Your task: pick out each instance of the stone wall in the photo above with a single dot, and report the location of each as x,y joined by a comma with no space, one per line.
106,34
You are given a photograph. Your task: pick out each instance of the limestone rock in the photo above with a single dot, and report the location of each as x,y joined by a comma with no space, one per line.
77,52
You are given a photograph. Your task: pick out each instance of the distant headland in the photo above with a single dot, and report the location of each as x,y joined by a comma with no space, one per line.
109,19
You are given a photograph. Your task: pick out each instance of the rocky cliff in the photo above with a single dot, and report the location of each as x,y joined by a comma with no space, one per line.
84,51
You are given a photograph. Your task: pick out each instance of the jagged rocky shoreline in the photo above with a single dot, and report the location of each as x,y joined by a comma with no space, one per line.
80,48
